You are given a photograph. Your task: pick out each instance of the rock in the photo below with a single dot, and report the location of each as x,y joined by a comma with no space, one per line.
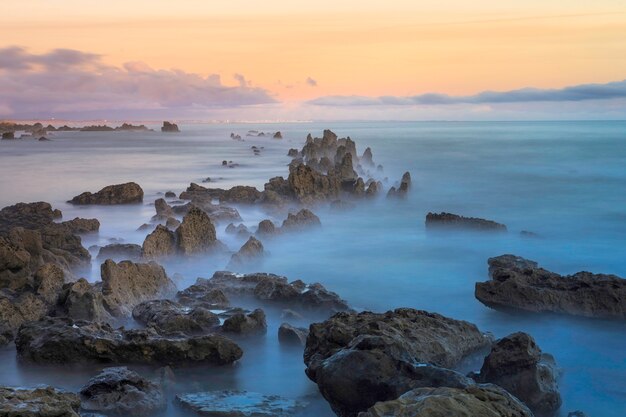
8,135
160,243
172,223
38,402
169,127
241,323
303,219
122,392
127,284
241,230
169,318
290,335
163,210
239,404
120,252
251,252
79,225
520,284
239,194
278,135
172,194
402,190
27,215
196,233
454,221
474,400
359,359
366,159
373,188
517,365
43,139
81,300
288,314
293,153
16,310
266,228
309,186
203,296
64,341
128,193
345,169
48,282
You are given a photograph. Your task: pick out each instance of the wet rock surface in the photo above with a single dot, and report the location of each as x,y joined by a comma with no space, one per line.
520,284
122,392
454,221
39,402
128,193
239,404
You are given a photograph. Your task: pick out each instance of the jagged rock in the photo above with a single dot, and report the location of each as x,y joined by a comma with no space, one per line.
366,159
309,186
241,323
241,230
518,283
79,225
169,318
38,402
345,169
160,243
454,221
475,400
172,223
27,215
240,194
122,392
163,210
278,135
290,335
127,284
293,152
252,251
303,219
120,252
127,193
169,127
62,341
359,359
81,300
8,135
48,282
373,188
239,404
196,233
266,228
517,365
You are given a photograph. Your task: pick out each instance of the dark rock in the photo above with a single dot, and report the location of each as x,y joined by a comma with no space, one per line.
241,323
251,252
196,233
240,230
303,219
293,152
27,215
81,300
517,365
169,318
163,210
122,392
160,243
290,335
172,223
16,310
266,228
278,135
8,135
169,127
64,341
120,252
48,282
309,186
366,159
203,296
454,221
239,404
518,283
171,194
128,193
38,402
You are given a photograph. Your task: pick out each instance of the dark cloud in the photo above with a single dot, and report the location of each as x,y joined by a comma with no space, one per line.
68,82
575,93
310,81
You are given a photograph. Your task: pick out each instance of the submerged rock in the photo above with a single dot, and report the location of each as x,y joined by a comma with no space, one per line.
518,283
62,341
38,402
454,221
127,193
239,404
122,392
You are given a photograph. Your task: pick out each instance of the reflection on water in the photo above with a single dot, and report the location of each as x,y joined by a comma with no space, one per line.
564,181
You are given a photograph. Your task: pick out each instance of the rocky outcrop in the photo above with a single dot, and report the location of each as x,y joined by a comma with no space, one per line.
240,230
16,310
159,244
402,189
454,221
38,402
474,400
240,194
127,284
196,233
27,215
239,404
82,300
120,252
245,324
163,210
266,228
309,186
360,359
169,127
277,135
128,193
200,295
303,219
122,392
520,284
250,253
79,225
64,341
291,335
170,318
516,364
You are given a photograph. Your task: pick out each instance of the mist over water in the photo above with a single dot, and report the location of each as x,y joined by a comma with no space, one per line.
564,181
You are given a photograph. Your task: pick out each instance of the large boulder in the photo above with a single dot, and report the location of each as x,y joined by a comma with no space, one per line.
38,402
196,233
520,284
471,401
27,215
127,193
266,228
63,341
159,244
126,284
454,221
169,318
516,364
122,392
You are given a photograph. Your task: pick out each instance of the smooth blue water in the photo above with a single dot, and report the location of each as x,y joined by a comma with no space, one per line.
565,181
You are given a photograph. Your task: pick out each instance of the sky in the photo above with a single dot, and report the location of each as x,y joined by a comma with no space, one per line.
289,60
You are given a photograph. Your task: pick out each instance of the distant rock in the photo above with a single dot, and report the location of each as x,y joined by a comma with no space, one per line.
251,252
303,219
38,402
278,135
196,233
293,152
170,194
128,193
120,252
520,284
122,392
266,228
454,221
246,324
8,135
169,127
239,404
290,335
240,230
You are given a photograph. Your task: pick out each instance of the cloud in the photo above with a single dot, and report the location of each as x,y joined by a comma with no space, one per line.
310,81
577,93
65,82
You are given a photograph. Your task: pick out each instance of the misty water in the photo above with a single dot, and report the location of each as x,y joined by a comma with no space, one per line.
564,181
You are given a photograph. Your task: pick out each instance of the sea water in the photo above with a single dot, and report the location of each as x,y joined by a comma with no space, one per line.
563,181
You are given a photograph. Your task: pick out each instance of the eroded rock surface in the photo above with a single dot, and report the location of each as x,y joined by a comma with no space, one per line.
239,404
454,221
128,193
38,402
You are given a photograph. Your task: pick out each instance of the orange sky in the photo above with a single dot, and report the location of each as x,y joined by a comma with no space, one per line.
393,48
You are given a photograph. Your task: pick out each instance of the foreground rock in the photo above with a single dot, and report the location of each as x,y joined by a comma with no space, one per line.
170,318
127,193
360,359
121,392
63,341
472,401
454,221
518,283
517,365
239,404
39,402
